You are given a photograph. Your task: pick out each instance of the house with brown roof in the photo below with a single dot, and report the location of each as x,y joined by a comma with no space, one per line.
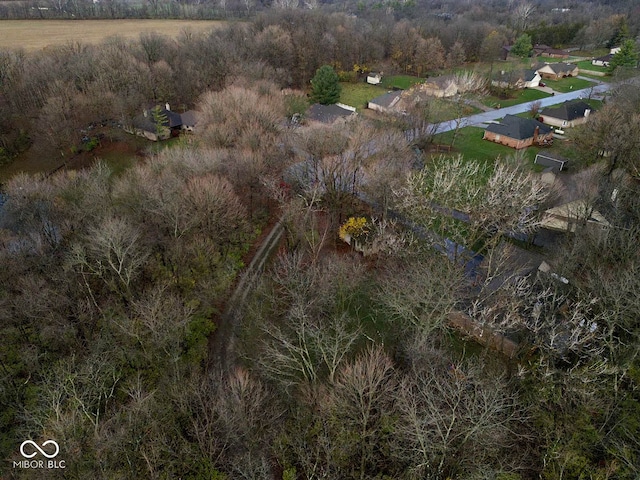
567,114
556,71
518,132
442,86
547,51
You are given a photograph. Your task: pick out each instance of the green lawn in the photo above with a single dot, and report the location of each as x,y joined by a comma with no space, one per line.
358,94
522,96
470,144
400,81
586,65
568,84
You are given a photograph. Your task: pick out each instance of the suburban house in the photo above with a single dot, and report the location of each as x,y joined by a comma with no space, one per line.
156,123
329,114
189,120
518,132
567,217
567,114
516,79
602,61
547,51
374,78
556,71
442,86
385,103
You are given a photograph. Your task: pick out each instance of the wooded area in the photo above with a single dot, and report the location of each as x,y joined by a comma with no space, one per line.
342,365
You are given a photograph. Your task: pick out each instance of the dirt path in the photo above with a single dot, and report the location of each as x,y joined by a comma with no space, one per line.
221,353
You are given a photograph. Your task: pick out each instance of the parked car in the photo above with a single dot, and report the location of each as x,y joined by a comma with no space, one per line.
542,84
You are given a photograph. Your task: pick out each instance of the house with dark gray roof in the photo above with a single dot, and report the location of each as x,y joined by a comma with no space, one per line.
156,123
518,132
603,61
516,79
567,114
556,71
189,120
329,113
386,102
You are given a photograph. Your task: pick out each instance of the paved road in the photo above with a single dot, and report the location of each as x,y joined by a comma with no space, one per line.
493,115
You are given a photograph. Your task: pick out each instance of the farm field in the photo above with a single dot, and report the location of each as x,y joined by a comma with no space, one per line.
33,35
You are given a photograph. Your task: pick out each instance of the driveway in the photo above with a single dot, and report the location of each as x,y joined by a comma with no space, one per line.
491,116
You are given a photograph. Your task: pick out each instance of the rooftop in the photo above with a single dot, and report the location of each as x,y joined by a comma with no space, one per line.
518,127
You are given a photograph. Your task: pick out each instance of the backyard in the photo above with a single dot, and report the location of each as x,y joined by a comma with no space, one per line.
400,81
470,144
359,94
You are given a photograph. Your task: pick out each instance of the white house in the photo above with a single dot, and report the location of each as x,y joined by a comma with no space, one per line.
374,78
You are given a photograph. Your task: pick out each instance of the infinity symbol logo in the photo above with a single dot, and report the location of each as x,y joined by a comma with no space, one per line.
37,447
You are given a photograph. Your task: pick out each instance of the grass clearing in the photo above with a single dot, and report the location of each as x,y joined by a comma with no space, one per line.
359,94
568,84
400,81
522,96
32,35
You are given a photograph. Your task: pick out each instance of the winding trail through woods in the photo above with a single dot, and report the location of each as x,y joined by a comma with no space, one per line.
221,354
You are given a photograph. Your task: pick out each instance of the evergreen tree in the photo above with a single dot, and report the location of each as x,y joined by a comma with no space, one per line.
627,57
522,46
325,87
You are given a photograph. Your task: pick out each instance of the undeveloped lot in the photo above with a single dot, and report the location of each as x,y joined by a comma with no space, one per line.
38,34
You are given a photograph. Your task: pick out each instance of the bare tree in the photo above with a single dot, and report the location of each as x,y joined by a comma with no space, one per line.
490,201
360,406
454,419
115,255
314,335
522,14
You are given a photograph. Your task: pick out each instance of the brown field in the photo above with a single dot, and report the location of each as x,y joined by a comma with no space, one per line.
37,34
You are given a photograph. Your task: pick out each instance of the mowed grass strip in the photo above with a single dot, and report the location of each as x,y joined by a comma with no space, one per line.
522,96
33,35
568,84
400,81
